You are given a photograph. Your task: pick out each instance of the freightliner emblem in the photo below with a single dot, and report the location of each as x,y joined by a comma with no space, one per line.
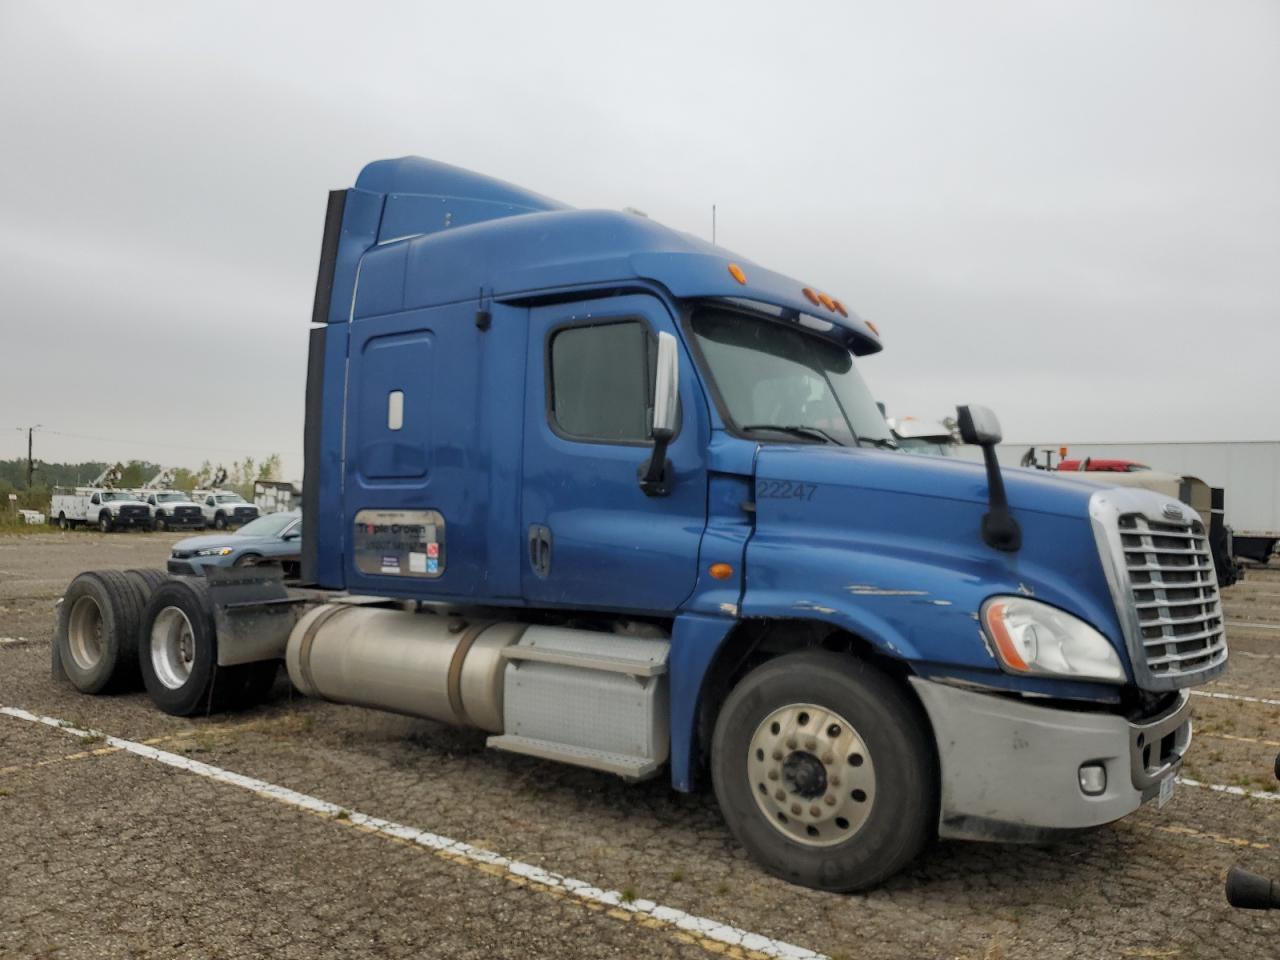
1172,511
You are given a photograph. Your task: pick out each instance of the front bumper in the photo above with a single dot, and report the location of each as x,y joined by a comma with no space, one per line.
195,566
132,520
1010,767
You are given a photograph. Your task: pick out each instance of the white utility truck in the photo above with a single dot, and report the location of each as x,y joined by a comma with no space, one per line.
224,508
99,503
171,509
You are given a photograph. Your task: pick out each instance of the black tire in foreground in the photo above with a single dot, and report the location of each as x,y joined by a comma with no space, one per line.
825,771
178,655
95,641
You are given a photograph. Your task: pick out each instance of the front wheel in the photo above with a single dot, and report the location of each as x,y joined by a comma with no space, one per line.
220,522
63,523
104,522
824,770
159,523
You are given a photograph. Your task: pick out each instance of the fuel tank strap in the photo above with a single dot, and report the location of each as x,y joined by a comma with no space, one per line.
455,670
308,638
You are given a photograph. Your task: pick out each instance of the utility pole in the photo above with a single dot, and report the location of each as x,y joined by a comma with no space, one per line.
713,224
31,463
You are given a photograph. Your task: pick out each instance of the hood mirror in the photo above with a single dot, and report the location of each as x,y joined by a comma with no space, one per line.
980,427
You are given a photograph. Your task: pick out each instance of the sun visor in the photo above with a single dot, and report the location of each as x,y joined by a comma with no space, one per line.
697,275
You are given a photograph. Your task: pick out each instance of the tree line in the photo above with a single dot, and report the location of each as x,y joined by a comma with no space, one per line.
240,477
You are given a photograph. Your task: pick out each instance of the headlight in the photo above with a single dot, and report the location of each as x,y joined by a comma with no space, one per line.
1030,637
214,552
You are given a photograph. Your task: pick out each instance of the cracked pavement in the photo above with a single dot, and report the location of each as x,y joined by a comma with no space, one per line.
107,854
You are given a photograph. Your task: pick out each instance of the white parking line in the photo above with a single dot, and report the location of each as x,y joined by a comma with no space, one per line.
1253,625
1232,791
1235,696
13,641
647,910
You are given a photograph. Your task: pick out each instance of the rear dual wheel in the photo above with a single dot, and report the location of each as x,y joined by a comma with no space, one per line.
178,650
96,638
824,771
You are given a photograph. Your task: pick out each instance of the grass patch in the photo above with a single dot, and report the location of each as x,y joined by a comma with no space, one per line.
342,815
677,876
628,894
89,739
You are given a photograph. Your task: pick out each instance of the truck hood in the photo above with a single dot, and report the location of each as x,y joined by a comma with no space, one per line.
889,546
944,478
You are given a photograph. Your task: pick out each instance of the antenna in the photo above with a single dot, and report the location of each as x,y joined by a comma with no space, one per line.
713,224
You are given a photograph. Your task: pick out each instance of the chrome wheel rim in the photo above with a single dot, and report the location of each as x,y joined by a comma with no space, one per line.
84,633
811,774
173,647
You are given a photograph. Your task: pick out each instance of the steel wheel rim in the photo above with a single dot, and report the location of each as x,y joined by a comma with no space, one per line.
173,647
811,774
84,633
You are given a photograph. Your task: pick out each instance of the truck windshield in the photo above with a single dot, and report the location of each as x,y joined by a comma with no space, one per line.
170,497
229,498
779,382
112,497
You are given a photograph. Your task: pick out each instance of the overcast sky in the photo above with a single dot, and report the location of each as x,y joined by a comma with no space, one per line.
1069,211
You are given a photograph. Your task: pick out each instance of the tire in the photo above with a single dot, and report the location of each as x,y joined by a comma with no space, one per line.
178,652
147,580
104,522
844,808
97,630
159,523
219,522
248,560
255,682
63,523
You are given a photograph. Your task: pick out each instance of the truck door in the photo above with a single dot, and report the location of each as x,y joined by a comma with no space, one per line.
593,537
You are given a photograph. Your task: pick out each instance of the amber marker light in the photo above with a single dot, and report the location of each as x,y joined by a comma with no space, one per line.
840,308
827,302
1000,633
735,271
811,296
874,328
720,571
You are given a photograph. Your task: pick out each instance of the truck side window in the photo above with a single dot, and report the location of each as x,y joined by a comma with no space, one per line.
601,381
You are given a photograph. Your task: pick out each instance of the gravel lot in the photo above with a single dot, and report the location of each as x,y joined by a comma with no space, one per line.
107,853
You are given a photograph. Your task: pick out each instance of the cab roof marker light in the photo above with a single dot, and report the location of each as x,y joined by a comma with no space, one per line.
840,308
827,302
874,328
811,296
735,271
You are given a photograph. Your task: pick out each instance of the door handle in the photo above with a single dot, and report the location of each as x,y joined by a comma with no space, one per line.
540,549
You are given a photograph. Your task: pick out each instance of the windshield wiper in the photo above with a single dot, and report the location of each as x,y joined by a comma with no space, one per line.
811,433
883,443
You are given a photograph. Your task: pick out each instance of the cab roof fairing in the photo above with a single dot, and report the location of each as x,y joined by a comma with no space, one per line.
436,228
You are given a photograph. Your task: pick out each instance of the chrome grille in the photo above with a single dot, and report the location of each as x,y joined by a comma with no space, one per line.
1174,592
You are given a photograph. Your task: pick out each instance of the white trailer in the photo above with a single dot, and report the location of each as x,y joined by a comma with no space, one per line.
277,496
1248,472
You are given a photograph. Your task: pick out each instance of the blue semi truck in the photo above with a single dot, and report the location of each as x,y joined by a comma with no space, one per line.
622,499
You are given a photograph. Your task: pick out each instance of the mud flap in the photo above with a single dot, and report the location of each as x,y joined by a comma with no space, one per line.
253,613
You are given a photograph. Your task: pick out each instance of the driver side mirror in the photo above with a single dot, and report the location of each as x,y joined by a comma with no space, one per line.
655,474
666,388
